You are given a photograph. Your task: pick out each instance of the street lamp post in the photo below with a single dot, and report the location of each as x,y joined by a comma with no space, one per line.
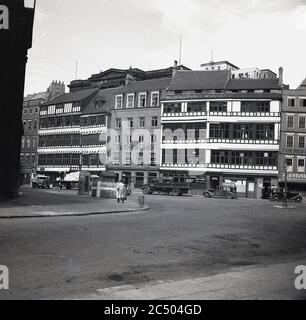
285,204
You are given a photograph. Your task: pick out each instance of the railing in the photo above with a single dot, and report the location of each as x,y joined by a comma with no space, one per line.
184,165
180,141
185,114
245,114
75,126
59,147
242,141
220,140
93,125
221,113
238,166
220,166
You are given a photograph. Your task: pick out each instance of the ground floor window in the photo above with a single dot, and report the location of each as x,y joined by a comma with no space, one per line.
139,181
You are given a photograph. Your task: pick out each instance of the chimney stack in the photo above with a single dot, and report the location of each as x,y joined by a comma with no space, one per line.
174,68
281,76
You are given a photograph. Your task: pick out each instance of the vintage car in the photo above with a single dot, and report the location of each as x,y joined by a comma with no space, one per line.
278,195
39,181
226,192
166,186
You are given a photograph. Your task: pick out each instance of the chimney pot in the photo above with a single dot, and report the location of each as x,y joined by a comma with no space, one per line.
281,76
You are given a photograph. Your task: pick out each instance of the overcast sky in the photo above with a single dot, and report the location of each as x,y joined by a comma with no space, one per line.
101,34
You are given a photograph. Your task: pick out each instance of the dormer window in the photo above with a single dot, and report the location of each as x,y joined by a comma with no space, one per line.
142,103
130,101
99,103
119,102
155,99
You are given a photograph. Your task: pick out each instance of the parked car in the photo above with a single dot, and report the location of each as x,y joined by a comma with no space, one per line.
166,186
278,195
226,192
40,181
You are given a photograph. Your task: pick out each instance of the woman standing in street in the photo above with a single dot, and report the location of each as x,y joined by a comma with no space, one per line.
120,192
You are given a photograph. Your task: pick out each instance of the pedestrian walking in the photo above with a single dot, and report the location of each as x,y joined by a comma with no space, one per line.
120,192
59,186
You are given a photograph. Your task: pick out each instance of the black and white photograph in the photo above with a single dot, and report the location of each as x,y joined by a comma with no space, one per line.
153,150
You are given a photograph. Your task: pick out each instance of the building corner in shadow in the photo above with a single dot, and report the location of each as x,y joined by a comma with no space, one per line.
16,28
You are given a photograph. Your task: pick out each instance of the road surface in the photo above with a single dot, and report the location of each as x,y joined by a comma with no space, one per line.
179,238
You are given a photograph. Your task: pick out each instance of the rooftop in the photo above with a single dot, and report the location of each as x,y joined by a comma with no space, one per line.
303,85
106,99
71,97
199,80
36,96
253,84
218,80
146,85
213,63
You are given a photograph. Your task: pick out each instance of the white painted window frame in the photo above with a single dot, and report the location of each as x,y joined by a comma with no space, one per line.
290,98
139,99
290,135
158,100
116,101
127,101
300,169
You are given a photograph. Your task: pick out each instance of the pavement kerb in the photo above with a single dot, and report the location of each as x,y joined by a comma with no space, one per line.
74,214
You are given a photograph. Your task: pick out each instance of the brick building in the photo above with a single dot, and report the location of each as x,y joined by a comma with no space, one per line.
30,117
293,136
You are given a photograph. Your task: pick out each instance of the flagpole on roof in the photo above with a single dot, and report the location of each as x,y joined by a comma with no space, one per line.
181,44
76,69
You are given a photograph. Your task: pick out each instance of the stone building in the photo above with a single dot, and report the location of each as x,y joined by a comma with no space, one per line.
136,125
293,136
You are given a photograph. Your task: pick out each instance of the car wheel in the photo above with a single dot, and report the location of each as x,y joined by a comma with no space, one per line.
229,196
146,191
206,195
176,193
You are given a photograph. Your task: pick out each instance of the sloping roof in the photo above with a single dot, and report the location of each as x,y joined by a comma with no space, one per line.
71,97
199,80
253,84
36,96
106,96
146,85
302,85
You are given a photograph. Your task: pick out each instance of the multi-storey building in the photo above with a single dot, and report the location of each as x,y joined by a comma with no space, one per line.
29,142
60,132
136,123
95,123
219,66
293,139
236,72
217,129
74,127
